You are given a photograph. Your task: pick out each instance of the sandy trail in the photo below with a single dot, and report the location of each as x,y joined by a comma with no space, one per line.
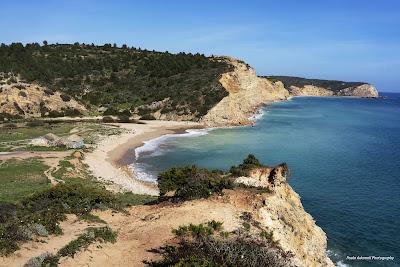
33,154
104,161
72,228
148,227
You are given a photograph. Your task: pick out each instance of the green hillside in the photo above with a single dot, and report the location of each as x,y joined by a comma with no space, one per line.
119,78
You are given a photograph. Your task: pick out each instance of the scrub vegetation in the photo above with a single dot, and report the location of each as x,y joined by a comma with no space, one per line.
118,79
208,245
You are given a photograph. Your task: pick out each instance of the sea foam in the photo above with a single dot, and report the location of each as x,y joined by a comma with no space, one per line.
151,147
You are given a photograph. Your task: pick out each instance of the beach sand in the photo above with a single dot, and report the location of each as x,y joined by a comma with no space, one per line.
105,161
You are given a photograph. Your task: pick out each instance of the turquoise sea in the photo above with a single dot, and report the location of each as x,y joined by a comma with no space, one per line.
344,156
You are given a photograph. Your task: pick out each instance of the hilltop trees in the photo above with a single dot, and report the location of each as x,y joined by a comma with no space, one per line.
119,77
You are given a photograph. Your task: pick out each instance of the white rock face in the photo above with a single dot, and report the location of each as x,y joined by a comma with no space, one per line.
309,90
247,93
364,90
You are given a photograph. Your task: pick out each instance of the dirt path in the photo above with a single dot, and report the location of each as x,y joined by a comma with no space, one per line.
33,154
72,227
49,158
150,227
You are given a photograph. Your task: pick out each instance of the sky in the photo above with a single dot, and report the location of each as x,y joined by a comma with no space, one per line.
346,40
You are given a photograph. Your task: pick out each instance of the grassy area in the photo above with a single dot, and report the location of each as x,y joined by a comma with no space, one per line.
24,133
20,178
17,137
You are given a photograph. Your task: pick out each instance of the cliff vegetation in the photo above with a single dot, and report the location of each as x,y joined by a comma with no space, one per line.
109,78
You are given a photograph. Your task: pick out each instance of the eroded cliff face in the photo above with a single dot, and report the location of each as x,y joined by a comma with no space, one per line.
247,93
32,100
364,90
282,213
309,90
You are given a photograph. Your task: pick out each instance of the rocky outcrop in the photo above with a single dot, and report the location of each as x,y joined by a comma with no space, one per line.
282,213
247,93
309,90
32,100
364,90
298,86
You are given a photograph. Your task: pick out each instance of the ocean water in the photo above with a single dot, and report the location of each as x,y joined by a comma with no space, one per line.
344,156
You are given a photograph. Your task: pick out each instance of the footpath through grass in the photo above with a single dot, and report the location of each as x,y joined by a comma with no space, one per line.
21,178
39,214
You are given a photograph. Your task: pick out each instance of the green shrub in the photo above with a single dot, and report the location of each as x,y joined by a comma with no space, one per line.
217,226
35,123
192,182
91,218
124,119
103,234
45,259
203,248
91,235
65,98
108,119
249,163
266,235
41,213
246,226
147,117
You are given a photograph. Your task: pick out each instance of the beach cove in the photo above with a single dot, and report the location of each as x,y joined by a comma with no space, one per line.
336,148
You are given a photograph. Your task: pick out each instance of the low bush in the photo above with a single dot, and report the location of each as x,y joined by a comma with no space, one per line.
227,249
65,98
22,93
249,163
124,119
35,123
102,234
266,235
92,235
41,213
44,259
108,119
147,117
48,92
191,182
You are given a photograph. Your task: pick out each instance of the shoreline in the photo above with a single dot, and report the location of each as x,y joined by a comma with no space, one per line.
106,160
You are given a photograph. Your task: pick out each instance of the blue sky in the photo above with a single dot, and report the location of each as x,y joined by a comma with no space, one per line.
346,40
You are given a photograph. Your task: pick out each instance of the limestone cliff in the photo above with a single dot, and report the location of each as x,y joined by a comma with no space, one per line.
282,213
276,209
309,90
364,90
315,87
247,93
32,100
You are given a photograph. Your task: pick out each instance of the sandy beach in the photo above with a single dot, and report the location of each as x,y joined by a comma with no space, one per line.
105,161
